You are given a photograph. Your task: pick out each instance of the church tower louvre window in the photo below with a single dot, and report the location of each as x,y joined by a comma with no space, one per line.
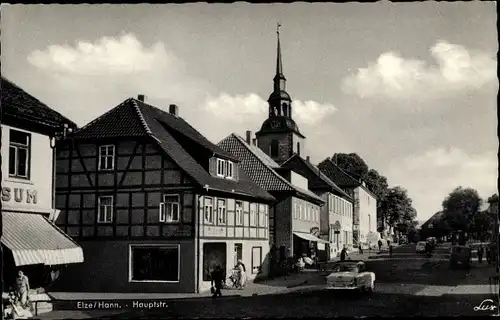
279,136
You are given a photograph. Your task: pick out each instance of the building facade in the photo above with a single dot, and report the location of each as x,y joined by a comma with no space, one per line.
31,242
335,215
294,219
364,209
155,205
295,225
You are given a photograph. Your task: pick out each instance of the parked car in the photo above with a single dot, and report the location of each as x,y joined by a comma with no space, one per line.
460,256
421,246
350,275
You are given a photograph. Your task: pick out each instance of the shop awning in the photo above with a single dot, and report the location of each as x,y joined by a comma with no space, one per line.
34,240
309,237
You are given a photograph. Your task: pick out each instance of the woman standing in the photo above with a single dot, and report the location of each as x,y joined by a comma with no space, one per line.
242,274
22,288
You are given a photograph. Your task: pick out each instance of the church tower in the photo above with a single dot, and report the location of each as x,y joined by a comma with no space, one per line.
279,137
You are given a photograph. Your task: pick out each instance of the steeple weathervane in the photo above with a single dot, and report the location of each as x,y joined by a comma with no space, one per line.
279,78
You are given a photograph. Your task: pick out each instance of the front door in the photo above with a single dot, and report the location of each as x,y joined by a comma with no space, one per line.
238,252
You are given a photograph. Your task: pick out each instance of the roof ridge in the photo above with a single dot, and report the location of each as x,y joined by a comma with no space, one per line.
242,141
343,171
141,117
102,115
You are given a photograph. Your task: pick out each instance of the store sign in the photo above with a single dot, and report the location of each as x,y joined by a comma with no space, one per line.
19,195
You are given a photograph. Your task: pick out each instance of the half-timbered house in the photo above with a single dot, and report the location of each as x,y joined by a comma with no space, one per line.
31,242
336,216
294,220
155,205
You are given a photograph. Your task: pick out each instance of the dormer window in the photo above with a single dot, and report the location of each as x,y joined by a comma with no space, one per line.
225,169
220,167
229,169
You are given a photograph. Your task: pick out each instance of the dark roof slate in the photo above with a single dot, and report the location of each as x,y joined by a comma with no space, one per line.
141,119
290,163
260,167
19,104
337,175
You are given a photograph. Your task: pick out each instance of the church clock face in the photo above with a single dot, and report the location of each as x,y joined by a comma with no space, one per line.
275,124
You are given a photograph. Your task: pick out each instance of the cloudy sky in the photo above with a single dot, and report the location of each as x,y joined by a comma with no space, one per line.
410,87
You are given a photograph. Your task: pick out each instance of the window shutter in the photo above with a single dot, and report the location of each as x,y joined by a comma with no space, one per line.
236,171
212,166
162,212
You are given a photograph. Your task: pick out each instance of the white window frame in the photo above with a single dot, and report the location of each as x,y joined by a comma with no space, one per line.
222,166
166,207
238,212
221,212
229,170
208,219
254,214
261,215
106,155
16,146
100,214
130,265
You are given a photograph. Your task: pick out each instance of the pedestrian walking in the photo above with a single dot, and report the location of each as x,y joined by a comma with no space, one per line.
242,276
480,252
488,255
380,245
217,280
390,251
343,254
360,248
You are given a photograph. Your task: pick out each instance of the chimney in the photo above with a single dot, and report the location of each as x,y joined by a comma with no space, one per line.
308,159
141,97
254,141
249,136
173,109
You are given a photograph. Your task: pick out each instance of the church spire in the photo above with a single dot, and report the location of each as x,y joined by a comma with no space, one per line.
279,78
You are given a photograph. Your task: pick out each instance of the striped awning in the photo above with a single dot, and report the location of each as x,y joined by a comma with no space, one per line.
309,237
35,240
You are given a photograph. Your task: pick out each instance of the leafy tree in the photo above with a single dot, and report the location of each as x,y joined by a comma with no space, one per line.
460,207
352,164
376,183
397,208
482,224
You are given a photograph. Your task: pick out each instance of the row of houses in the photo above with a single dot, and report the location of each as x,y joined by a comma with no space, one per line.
143,202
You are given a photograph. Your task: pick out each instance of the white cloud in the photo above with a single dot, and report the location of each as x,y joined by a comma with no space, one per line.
431,176
248,107
106,56
395,77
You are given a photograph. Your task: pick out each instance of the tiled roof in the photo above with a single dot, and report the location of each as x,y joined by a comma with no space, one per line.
122,121
314,170
19,104
337,175
260,167
141,119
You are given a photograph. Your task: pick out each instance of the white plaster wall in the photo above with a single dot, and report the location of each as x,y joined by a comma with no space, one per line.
40,174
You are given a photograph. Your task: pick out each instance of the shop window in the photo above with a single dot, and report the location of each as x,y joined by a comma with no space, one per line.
105,209
106,157
170,208
19,154
154,263
214,254
256,259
